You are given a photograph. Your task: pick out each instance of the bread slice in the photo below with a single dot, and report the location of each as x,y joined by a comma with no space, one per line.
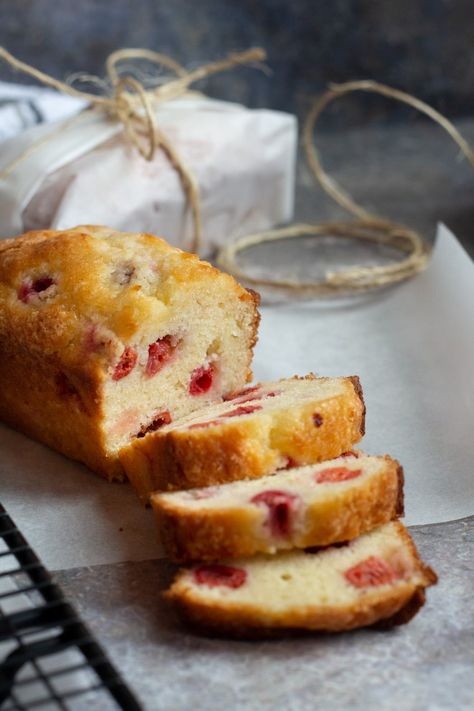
317,505
105,335
264,428
377,578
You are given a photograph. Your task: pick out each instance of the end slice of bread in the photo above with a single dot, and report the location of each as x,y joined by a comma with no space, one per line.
266,427
316,505
377,578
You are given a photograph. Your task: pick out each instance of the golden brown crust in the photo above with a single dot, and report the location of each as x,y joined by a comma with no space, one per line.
400,506
360,393
392,605
241,448
210,534
405,613
393,608
35,401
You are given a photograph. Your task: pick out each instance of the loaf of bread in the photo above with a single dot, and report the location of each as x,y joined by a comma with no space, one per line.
317,505
375,579
264,428
107,335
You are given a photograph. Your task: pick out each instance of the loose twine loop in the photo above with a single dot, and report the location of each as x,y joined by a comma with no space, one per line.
367,227
135,107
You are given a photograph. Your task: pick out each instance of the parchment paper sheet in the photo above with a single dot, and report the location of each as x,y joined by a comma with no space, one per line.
413,348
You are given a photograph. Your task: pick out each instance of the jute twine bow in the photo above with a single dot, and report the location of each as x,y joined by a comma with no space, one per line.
368,227
135,107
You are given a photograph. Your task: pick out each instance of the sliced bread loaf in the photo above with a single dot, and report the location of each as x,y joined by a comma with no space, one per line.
377,578
316,505
267,427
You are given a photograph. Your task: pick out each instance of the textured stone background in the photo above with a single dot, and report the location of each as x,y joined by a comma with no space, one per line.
422,46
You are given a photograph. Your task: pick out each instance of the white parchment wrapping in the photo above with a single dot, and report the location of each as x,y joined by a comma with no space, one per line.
413,348
243,161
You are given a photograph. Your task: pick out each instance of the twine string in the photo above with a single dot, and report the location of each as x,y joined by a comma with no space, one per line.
335,91
135,107
366,226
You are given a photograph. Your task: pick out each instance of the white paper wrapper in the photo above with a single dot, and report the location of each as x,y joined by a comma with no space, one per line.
24,106
243,161
413,348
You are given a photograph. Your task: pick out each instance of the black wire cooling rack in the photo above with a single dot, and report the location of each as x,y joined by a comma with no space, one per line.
48,657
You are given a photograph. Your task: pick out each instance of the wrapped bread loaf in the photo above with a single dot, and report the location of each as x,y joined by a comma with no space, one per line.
106,335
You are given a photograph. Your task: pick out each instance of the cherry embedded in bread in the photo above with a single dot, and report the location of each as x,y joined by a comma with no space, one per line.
126,363
317,419
159,353
335,474
242,410
290,463
281,506
30,288
201,380
371,572
251,393
160,420
217,575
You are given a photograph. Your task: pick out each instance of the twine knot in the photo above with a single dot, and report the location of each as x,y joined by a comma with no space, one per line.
134,105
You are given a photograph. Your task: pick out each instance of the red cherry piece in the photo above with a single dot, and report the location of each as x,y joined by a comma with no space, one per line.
201,380
371,572
290,463
25,291
242,410
317,419
162,419
217,575
244,394
159,353
280,506
126,363
335,474
250,394
248,398
30,288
